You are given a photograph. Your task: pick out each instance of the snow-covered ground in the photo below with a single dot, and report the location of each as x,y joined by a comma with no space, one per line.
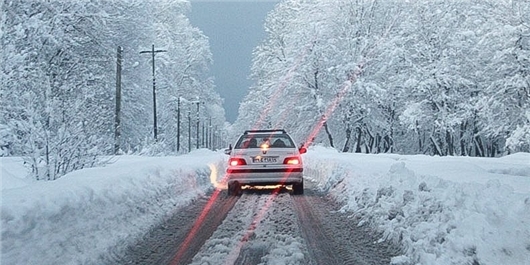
443,210
91,212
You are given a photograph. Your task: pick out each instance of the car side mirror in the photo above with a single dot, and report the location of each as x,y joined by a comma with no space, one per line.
228,151
302,150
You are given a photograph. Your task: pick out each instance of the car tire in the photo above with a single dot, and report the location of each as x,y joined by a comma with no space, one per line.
298,189
234,189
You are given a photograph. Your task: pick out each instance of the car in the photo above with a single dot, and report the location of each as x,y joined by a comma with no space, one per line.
265,157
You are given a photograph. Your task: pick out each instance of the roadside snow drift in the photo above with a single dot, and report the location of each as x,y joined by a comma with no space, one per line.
442,210
93,212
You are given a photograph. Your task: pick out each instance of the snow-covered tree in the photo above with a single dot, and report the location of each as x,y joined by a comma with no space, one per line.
506,100
52,95
428,76
59,74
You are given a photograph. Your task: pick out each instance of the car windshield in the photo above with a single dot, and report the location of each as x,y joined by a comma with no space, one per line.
273,141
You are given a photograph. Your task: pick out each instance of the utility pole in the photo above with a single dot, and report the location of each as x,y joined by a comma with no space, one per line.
152,52
189,131
178,124
118,102
198,102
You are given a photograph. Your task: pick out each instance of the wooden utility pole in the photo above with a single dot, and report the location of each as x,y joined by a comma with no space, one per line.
189,131
118,102
198,128
178,124
152,52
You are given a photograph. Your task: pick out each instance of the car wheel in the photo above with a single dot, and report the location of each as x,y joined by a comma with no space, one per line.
234,189
298,189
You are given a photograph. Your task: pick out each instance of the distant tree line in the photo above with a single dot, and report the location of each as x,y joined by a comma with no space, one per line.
413,77
58,80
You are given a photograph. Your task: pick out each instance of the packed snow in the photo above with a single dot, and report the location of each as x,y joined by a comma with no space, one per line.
442,210
93,212
262,227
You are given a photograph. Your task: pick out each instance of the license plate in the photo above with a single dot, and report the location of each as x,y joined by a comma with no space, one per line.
264,159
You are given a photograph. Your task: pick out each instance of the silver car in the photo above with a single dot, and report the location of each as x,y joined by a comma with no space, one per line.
265,157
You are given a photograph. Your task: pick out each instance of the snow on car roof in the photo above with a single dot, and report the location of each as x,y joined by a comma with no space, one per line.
265,131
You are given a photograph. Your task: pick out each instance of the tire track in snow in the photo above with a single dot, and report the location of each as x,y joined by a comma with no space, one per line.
261,229
220,248
335,238
161,244
279,231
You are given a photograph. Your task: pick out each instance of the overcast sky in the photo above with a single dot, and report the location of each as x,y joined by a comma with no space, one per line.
234,29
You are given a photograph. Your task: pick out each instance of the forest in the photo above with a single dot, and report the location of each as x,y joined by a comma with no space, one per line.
411,77
59,75
369,76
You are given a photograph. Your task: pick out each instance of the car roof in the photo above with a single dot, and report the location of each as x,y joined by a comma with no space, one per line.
279,131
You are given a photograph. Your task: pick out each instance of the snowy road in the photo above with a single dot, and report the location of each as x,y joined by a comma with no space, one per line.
140,210
260,227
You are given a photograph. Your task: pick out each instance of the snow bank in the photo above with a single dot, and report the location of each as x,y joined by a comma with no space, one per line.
443,210
76,218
